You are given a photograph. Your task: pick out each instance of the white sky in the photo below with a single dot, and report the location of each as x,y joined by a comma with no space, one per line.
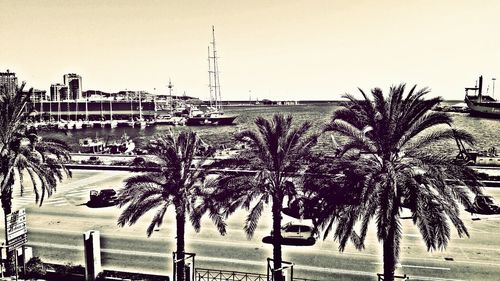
277,49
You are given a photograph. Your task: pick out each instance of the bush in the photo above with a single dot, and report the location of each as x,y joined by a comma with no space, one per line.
67,269
35,268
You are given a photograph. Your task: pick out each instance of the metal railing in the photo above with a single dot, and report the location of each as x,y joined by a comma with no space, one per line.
202,274
404,277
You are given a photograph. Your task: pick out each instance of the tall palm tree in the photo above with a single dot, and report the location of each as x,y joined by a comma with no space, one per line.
177,181
276,152
23,151
395,140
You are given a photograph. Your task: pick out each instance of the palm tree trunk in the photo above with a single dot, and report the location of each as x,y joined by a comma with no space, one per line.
389,256
181,221
390,244
276,209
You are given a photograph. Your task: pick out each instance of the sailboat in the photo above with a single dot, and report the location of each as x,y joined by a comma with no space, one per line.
141,122
112,123
131,121
78,122
214,114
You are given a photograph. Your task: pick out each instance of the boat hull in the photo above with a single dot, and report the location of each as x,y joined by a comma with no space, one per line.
210,121
490,109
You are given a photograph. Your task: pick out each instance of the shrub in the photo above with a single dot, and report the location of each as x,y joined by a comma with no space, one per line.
35,268
66,269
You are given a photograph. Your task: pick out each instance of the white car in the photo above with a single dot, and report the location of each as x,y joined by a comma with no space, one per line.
297,231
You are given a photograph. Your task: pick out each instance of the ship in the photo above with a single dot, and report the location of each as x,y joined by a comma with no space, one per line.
214,114
480,104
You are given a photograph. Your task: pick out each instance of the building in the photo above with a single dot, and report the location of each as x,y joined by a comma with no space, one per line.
58,92
39,95
74,84
8,80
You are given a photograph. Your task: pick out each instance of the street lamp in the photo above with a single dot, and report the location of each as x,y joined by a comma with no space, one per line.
493,79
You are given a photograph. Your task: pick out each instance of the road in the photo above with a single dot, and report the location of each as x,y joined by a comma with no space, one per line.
56,228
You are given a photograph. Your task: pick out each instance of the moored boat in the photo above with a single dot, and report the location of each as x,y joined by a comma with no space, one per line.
214,114
481,104
211,118
122,146
97,145
91,145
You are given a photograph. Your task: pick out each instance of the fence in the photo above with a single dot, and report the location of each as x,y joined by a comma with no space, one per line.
203,274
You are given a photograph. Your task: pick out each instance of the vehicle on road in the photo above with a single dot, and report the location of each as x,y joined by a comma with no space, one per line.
103,198
484,205
294,234
297,231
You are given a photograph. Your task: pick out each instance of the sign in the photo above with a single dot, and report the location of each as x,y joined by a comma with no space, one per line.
16,228
18,241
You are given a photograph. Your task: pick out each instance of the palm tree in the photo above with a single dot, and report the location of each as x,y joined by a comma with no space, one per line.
23,151
394,139
276,152
176,181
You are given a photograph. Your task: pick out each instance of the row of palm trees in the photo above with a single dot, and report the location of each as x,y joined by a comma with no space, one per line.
386,161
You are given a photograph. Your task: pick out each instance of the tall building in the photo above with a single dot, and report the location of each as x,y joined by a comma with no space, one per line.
39,95
74,84
58,92
8,80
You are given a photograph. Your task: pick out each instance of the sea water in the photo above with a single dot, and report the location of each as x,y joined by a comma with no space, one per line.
486,131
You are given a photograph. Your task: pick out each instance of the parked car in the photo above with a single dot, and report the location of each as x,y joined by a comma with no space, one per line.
103,197
93,160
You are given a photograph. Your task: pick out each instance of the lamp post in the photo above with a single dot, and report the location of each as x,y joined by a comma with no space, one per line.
493,79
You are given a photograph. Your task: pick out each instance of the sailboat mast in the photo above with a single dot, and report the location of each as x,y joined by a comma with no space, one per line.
210,78
110,110
50,109
41,106
215,74
131,107
76,109
140,106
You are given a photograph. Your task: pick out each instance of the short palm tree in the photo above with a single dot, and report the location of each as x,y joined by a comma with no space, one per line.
276,152
177,181
23,151
395,140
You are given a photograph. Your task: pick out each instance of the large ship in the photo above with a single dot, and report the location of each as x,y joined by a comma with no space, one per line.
480,104
214,114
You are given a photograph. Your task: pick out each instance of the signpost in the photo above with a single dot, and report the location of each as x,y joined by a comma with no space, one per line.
16,228
16,232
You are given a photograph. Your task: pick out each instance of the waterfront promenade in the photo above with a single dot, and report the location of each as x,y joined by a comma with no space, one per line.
55,233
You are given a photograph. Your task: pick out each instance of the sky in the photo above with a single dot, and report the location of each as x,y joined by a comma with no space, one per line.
274,49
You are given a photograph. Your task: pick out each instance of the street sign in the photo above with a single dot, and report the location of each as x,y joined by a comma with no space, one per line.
18,241
16,227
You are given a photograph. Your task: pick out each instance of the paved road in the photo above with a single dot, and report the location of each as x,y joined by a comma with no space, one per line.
56,228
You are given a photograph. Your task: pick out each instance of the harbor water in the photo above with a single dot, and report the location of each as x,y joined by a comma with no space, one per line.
486,131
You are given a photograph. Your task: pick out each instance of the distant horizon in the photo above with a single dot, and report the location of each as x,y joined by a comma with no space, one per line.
267,49
178,95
